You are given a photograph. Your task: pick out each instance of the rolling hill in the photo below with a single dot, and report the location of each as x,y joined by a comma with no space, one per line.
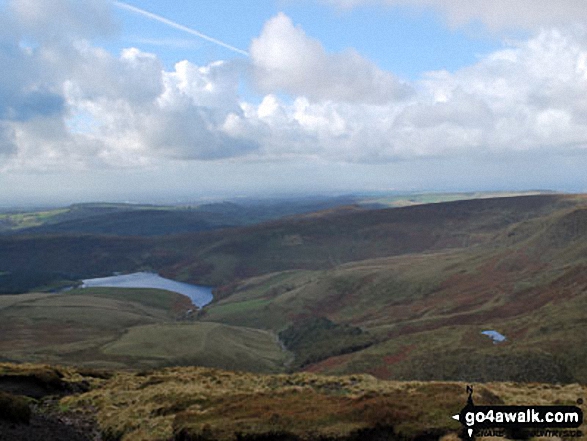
126,219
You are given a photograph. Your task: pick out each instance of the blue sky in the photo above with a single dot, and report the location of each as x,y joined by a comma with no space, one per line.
100,101
400,40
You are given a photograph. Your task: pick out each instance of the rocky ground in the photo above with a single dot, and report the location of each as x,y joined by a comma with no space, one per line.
45,428
29,409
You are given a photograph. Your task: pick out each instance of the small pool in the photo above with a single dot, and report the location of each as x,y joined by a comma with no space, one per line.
495,336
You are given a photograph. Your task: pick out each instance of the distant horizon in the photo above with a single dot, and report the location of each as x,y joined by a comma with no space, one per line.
265,198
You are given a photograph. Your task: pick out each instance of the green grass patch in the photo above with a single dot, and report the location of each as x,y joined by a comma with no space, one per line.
239,307
18,221
153,298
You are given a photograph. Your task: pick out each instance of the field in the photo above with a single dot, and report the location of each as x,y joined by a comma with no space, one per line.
105,327
201,344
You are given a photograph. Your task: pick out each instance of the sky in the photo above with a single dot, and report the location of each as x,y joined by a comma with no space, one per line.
189,100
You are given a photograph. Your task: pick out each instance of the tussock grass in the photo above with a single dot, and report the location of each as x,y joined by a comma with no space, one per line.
211,404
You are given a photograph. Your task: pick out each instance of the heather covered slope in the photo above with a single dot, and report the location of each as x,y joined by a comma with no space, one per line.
314,241
328,239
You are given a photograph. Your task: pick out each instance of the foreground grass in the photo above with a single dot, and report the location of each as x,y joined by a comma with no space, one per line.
201,403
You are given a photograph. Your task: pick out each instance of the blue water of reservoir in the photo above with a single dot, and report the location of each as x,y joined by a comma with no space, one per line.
495,336
199,295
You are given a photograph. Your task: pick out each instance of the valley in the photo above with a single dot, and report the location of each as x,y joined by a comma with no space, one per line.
353,308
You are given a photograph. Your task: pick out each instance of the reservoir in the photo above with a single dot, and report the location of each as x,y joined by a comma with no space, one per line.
199,295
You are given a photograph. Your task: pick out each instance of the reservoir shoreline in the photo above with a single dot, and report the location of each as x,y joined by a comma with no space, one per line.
199,295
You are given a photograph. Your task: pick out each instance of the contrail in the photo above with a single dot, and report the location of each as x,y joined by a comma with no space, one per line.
175,25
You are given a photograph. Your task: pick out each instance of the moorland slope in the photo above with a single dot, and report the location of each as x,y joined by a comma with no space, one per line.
399,293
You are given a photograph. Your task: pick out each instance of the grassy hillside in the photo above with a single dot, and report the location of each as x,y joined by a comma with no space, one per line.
424,312
201,344
126,328
399,293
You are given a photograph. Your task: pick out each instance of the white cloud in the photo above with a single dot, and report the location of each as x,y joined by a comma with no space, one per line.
285,59
134,76
531,96
184,119
63,19
495,14
214,86
68,104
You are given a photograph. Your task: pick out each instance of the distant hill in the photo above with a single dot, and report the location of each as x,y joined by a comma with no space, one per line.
154,220
125,219
328,239
145,222
318,241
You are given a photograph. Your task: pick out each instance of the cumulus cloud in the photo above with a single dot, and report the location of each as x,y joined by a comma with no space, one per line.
495,14
178,114
285,59
65,103
530,96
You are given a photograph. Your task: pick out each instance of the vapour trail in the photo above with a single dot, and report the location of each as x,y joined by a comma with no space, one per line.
175,25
